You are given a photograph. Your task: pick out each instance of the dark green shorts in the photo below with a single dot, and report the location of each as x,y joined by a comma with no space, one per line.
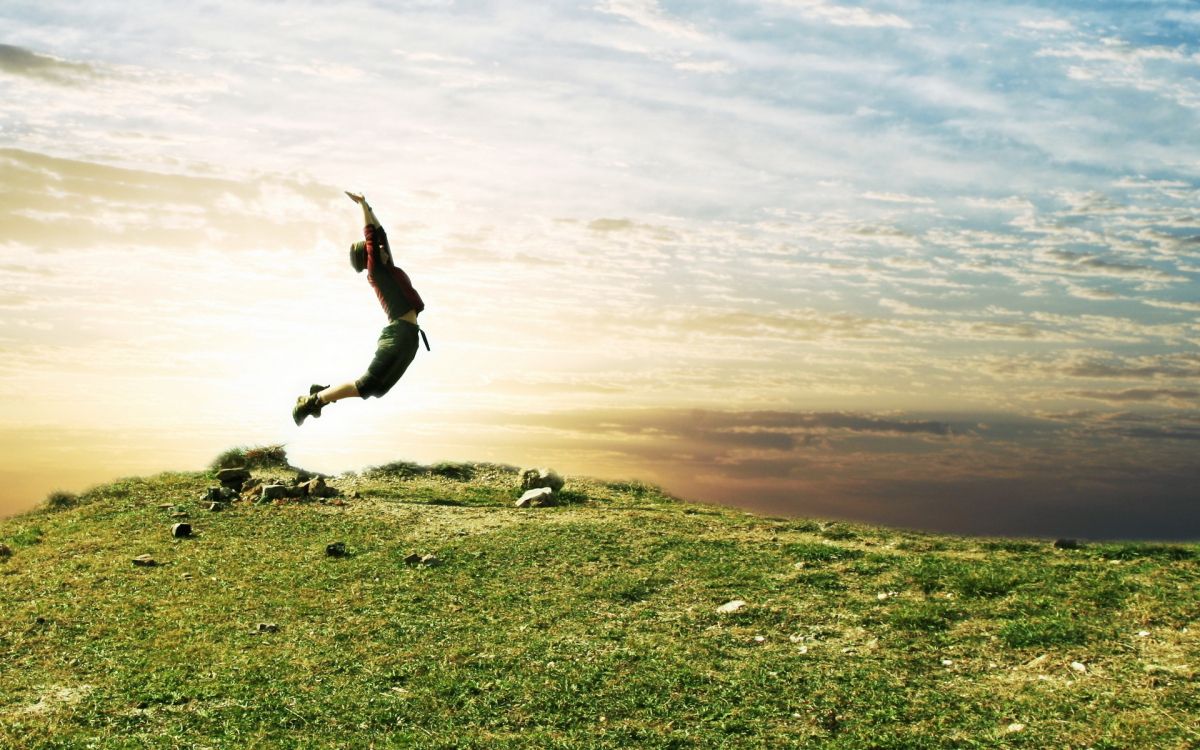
395,352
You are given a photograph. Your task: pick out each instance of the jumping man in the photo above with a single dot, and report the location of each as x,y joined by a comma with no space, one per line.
397,341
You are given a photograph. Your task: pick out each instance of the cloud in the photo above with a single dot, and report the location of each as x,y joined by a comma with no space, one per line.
844,15
1088,264
1048,24
897,198
23,62
1177,396
705,66
1181,365
648,14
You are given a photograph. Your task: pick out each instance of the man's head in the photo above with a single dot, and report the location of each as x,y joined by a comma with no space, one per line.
358,255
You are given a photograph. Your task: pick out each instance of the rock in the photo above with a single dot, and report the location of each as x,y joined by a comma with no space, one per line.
1066,544
166,506
273,491
181,530
1016,726
413,559
180,514
430,561
144,561
1079,667
337,549
5,550
266,627
731,606
213,507
317,488
228,493
233,477
537,498
213,493
532,479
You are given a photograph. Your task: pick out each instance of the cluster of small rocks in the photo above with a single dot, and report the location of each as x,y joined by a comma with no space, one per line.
236,484
541,488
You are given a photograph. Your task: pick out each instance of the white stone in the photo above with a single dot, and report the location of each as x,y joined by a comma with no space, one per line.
535,497
1079,667
1143,633
730,607
1015,727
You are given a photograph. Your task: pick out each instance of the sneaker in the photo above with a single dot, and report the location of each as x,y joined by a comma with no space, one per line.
306,406
314,389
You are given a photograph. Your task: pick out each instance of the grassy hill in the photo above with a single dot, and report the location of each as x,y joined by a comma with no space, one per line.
594,624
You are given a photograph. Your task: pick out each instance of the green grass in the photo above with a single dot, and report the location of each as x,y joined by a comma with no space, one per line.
589,625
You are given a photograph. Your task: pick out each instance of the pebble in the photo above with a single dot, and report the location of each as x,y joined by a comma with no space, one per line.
181,530
731,606
273,491
1015,727
337,549
266,627
144,560
5,550
1079,667
1143,633
413,559
947,662
430,561
215,506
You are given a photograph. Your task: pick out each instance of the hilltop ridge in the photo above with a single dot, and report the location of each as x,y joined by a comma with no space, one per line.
611,621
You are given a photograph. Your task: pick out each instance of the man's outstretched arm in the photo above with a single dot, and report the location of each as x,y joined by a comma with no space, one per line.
368,214
373,232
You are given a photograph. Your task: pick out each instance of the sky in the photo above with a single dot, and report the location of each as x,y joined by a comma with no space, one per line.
921,264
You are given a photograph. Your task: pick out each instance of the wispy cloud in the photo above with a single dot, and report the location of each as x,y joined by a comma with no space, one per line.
24,62
844,15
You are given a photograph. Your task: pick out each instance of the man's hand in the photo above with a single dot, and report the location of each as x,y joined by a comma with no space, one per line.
357,198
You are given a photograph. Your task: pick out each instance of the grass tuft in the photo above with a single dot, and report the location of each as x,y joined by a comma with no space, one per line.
256,457
59,500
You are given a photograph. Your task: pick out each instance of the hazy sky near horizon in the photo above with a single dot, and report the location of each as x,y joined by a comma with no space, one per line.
918,263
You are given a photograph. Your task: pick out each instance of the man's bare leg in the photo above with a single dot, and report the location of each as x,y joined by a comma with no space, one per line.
338,392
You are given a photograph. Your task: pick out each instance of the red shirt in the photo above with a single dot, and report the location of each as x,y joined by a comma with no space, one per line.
390,283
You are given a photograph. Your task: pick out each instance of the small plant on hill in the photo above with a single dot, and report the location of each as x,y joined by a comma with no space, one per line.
59,500
257,457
